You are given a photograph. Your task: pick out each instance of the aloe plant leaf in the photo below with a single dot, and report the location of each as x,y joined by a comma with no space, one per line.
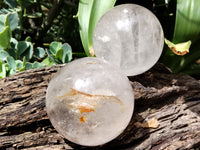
187,21
89,12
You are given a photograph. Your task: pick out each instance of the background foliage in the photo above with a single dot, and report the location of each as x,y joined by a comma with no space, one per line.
33,34
39,33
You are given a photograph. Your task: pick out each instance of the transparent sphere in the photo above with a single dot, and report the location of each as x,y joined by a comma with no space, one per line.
89,101
129,36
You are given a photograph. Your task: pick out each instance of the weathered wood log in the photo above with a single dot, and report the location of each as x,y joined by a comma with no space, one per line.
171,101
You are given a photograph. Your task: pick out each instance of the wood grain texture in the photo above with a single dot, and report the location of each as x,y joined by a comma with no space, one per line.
173,100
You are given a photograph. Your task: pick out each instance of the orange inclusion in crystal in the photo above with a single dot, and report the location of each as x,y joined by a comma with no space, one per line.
92,101
83,109
83,118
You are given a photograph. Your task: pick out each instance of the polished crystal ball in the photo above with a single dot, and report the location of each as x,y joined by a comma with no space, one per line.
89,101
129,36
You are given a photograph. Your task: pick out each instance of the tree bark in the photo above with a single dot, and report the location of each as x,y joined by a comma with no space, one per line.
171,102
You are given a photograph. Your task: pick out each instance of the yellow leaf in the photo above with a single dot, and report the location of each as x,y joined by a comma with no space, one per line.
179,49
153,123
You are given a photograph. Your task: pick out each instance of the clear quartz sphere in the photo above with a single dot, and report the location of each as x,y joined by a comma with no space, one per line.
129,36
89,101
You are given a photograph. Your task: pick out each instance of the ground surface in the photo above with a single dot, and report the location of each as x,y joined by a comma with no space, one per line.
166,115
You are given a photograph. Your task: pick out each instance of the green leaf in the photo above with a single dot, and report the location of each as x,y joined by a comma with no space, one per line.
3,55
193,69
34,15
19,63
33,65
48,62
5,11
89,12
52,57
79,54
54,46
28,53
11,72
25,49
25,3
39,52
67,53
14,42
5,38
2,70
11,52
59,54
189,59
2,22
1,3
24,61
11,3
28,66
22,46
1,63
11,62
13,20
187,21
64,54
28,39
37,65
21,69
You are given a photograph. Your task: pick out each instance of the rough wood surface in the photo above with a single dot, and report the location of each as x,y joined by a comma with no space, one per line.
171,100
